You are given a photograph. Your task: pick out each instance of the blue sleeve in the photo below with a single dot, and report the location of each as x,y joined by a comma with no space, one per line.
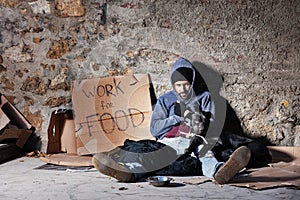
208,105
162,121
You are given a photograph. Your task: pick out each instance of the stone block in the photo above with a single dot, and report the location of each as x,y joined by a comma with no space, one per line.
69,8
40,7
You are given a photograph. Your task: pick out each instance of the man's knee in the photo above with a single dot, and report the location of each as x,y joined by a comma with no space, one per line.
260,155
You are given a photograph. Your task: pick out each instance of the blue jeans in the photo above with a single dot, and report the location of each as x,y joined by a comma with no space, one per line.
210,165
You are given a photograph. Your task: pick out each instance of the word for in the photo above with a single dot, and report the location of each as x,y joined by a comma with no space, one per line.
106,105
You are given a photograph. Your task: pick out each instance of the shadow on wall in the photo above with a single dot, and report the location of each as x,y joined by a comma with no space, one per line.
226,133
226,119
153,97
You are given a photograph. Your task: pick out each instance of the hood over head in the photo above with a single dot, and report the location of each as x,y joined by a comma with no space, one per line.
183,70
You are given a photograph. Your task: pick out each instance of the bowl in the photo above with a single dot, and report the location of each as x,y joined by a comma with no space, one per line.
159,181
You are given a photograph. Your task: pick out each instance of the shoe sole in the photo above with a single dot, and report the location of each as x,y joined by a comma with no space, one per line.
237,161
106,165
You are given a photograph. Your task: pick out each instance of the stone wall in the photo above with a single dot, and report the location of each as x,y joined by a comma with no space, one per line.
253,45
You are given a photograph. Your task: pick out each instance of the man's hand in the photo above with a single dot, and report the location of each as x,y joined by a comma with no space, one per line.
195,141
179,109
198,121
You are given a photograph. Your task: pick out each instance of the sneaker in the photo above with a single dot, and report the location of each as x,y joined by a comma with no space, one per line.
237,161
108,166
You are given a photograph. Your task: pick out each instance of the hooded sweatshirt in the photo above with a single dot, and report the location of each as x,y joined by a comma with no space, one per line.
163,117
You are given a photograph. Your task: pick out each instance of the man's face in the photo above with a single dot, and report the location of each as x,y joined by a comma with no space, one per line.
182,88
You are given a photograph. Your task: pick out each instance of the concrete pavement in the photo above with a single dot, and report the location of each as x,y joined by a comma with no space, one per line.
20,180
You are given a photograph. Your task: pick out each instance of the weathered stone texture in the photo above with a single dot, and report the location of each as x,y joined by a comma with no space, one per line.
2,68
61,47
40,7
253,45
57,101
6,83
69,8
34,85
35,118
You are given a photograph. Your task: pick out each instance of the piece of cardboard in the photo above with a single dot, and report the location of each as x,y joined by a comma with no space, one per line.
66,159
9,151
68,140
109,110
284,171
15,130
285,153
61,132
20,134
4,120
277,175
61,148
14,116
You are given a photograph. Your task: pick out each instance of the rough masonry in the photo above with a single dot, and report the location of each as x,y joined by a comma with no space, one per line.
253,45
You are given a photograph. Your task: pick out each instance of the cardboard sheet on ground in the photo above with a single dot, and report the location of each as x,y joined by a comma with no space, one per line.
110,110
283,171
67,159
61,148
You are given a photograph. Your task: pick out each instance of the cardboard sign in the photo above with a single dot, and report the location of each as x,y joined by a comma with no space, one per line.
109,110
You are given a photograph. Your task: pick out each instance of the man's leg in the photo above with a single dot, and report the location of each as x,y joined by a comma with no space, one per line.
237,161
210,165
178,143
260,155
108,166
135,160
